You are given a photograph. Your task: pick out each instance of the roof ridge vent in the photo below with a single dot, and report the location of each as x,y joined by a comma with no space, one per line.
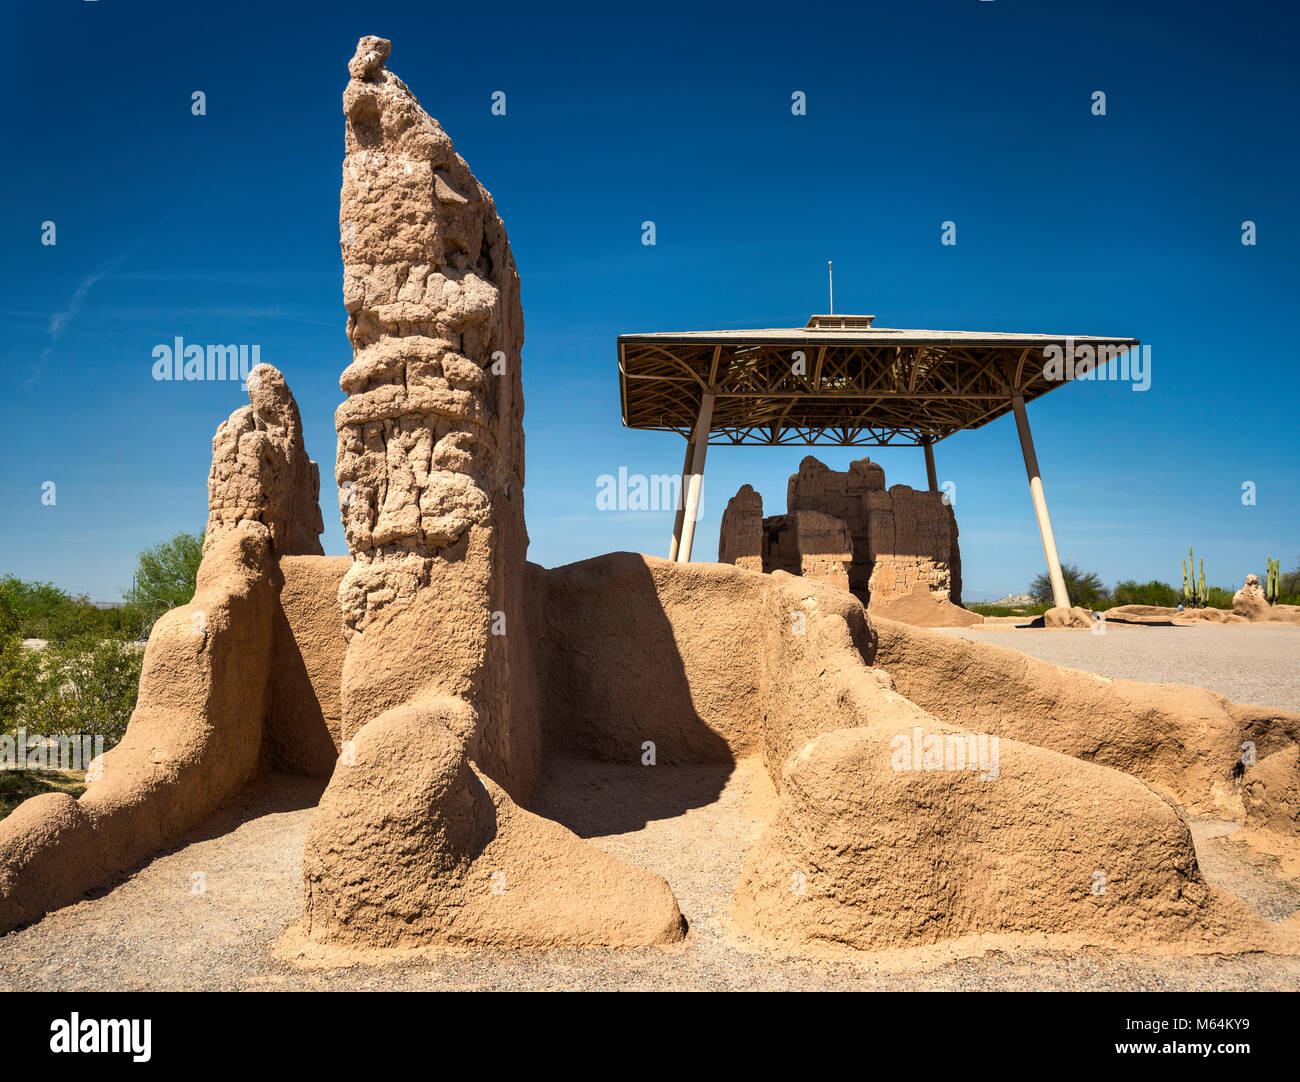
838,323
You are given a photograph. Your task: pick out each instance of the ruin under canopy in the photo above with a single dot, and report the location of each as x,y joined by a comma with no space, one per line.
841,381
845,528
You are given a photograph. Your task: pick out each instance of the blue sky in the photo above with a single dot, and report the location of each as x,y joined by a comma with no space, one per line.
222,228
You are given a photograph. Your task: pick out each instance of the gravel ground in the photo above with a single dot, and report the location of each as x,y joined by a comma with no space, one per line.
1248,664
691,824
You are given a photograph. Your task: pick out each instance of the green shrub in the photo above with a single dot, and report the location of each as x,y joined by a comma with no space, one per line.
1219,598
1130,592
1084,588
84,685
34,604
166,576
12,677
44,611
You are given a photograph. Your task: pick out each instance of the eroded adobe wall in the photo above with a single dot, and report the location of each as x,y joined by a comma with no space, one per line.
633,648
862,854
430,438
199,730
846,529
305,714
261,473
873,846
438,693
1272,793
192,742
811,545
1185,740
740,535
911,540
1054,852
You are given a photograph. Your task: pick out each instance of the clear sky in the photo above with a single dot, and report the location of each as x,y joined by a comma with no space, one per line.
222,228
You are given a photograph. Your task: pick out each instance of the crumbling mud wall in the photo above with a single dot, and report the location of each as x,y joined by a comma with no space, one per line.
200,728
192,742
304,724
895,828
633,648
809,544
740,535
418,839
1272,793
261,473
867,856
1185,741
889,547
868,851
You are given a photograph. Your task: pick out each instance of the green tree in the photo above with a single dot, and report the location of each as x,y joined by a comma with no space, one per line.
86,685
1289,586
34,604
1084,588
12,670
1131,592
166,575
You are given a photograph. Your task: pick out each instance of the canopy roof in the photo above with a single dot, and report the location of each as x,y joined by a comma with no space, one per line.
837,381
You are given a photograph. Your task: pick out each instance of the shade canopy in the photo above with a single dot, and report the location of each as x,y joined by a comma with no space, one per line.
838,381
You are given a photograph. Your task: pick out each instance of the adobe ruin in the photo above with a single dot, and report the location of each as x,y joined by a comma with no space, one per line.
889,547
431,673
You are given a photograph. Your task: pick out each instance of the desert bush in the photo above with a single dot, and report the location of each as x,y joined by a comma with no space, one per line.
1217,597
11,668
1131,592
166,576
1085,588
45,611
86,685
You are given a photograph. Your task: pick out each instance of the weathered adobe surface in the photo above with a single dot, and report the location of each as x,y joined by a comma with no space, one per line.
740,536
193,741
261,473
418,839
1185,741
896,549
199,730
731,663
304,723
1271,792
1248,607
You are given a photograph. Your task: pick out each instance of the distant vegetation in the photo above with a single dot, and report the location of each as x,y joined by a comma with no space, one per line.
84,680
1006,610
165,576
1086,589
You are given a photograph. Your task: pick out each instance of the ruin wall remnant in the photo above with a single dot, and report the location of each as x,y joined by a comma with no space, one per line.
847,529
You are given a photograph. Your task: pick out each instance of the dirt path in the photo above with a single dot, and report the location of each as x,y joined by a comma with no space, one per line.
691,824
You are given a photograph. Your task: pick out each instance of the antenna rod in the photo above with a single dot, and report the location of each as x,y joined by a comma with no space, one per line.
830,277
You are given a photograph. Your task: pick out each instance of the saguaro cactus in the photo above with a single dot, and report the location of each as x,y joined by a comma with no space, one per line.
1195,592
1273,580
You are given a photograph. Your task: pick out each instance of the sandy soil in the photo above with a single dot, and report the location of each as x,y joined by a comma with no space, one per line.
1247,664
691,824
